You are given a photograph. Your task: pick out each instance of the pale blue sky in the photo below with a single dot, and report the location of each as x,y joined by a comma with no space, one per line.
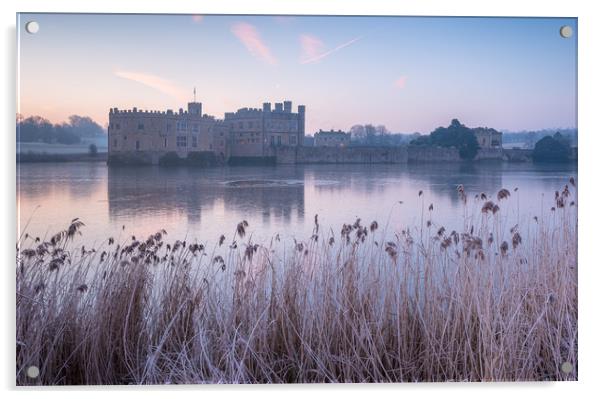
408,73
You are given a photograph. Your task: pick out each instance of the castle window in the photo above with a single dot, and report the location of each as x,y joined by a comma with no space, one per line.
293,140
250,124
195,127
279,140
181,126
117,126
141,126
125,138
181,141
137,145
272,140
241,125
167,127
194,142
165,143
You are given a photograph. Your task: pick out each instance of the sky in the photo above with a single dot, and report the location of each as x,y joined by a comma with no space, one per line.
411,74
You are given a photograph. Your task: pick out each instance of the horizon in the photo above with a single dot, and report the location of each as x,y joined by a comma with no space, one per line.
512,74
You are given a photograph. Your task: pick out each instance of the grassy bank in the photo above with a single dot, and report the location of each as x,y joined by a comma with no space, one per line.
495,302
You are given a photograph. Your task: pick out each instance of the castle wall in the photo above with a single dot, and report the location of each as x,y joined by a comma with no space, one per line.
341,155
433,154
485,154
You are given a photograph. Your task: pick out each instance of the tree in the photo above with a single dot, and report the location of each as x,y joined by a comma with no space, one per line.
84,126
551,149
92,150
35,129
358,132
455,135
64,134
370,134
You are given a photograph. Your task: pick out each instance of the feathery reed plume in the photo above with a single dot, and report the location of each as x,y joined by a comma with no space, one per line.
504,248
461,193
240,228
373,226
503,194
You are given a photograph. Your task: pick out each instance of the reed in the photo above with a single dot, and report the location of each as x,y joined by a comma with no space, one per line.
491,303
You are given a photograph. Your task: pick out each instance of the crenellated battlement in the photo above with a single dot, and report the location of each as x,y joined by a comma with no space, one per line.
135,112
283,110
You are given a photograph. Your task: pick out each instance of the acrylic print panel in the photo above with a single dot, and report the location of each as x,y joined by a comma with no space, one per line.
295,199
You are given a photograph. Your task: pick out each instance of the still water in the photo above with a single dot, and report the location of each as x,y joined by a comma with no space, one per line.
202,204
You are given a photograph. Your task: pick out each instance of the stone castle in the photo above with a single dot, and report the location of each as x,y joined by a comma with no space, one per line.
256,135
146,136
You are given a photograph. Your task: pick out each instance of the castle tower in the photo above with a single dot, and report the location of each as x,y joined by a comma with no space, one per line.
301,124
195,108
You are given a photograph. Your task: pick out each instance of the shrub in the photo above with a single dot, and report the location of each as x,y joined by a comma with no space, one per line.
455,135
92,150
551,149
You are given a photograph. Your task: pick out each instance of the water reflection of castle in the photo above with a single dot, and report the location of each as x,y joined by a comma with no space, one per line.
148,192
274,192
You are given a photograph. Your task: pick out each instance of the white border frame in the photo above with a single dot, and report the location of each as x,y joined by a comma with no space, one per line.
590,189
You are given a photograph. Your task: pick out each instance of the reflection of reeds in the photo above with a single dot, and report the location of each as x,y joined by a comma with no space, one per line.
458,306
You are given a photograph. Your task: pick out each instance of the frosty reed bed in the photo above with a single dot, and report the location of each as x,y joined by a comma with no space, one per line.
493,302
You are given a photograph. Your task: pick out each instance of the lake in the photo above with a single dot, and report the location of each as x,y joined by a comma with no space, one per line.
202,204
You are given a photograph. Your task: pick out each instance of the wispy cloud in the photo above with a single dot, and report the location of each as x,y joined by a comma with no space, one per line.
400,82
197,19
314,49
250,37
155,82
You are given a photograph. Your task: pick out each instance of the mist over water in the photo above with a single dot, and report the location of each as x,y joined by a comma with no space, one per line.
202,204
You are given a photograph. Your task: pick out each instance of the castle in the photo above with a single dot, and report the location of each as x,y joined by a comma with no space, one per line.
332,138
147,136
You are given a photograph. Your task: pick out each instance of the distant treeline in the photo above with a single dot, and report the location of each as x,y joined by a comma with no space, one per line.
530,138
370,135
36,129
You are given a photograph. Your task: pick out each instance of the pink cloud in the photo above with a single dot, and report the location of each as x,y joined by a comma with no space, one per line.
197,18
313,48
249,36
400,82
155,82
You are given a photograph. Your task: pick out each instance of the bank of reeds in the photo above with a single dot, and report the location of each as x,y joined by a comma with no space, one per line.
495,302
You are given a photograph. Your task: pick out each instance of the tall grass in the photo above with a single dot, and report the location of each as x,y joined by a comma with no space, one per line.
491,303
